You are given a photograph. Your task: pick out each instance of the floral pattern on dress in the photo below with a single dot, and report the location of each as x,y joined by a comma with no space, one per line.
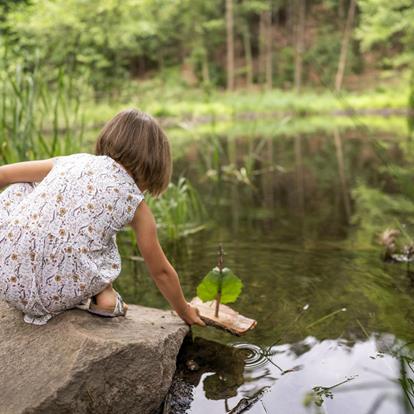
58,237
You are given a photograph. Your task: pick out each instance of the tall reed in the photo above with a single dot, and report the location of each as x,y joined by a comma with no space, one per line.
38,118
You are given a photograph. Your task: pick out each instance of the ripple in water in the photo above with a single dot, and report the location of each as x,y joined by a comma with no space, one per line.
254,355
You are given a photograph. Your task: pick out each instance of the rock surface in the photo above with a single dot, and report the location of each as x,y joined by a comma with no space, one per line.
82,363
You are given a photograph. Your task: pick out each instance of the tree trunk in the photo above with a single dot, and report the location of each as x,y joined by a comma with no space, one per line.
230,45
268,65
300,40
344,46
262,47
248,55
290,21
341,9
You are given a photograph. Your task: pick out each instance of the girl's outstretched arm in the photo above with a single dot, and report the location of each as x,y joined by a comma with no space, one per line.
24,172
163,274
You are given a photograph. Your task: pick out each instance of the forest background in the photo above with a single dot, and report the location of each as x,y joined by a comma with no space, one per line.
70,65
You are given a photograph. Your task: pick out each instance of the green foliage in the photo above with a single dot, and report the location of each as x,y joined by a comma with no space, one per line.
410,117
322,56
178,211
375,210
378,206
384,24
322,53
382,21
38,119
285,66
209,287
106,40
109,42
95,38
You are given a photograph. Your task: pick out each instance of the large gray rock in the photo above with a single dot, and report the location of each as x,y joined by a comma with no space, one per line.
82,363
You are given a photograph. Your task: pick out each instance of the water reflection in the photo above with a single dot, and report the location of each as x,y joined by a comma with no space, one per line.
217,367
310,376
299,217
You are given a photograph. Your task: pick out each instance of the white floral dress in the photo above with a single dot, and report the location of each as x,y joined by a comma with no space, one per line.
58,237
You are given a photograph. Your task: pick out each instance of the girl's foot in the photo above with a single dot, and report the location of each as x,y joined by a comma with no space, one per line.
109,302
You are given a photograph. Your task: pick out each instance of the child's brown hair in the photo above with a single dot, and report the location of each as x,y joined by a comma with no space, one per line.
135,140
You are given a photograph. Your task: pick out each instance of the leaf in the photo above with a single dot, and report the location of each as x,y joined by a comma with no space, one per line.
231,288
209,286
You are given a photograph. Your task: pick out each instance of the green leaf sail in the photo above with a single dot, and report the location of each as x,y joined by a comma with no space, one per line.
209,286
231,288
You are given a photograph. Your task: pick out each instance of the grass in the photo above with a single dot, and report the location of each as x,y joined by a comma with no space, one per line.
36,119
191,113
288,127
182,103
179,211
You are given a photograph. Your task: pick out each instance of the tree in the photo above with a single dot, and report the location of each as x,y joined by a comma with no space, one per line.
299,42
75,34
247,46
199,28
230,45
268,42
344,45
248,10
385,23
105,39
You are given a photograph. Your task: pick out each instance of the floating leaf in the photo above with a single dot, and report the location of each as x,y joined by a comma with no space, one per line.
230,289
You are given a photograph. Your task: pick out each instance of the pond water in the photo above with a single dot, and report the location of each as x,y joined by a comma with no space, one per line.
298,218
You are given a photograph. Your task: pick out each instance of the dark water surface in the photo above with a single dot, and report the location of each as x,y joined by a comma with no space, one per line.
298,218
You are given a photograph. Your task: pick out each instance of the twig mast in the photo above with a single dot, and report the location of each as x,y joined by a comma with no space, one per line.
220,265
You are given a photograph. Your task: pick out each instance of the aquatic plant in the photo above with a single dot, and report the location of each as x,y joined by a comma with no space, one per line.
407,383
178,214
374,210
179,211
404,354
318,394
220,284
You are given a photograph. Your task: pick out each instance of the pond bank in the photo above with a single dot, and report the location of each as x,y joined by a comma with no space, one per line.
83,363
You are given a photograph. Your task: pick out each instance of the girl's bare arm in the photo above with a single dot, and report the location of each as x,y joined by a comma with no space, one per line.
27,171
163,274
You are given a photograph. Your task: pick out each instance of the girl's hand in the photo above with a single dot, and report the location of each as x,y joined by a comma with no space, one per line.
191,316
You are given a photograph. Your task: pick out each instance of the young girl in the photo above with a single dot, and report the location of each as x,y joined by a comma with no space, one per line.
59,219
